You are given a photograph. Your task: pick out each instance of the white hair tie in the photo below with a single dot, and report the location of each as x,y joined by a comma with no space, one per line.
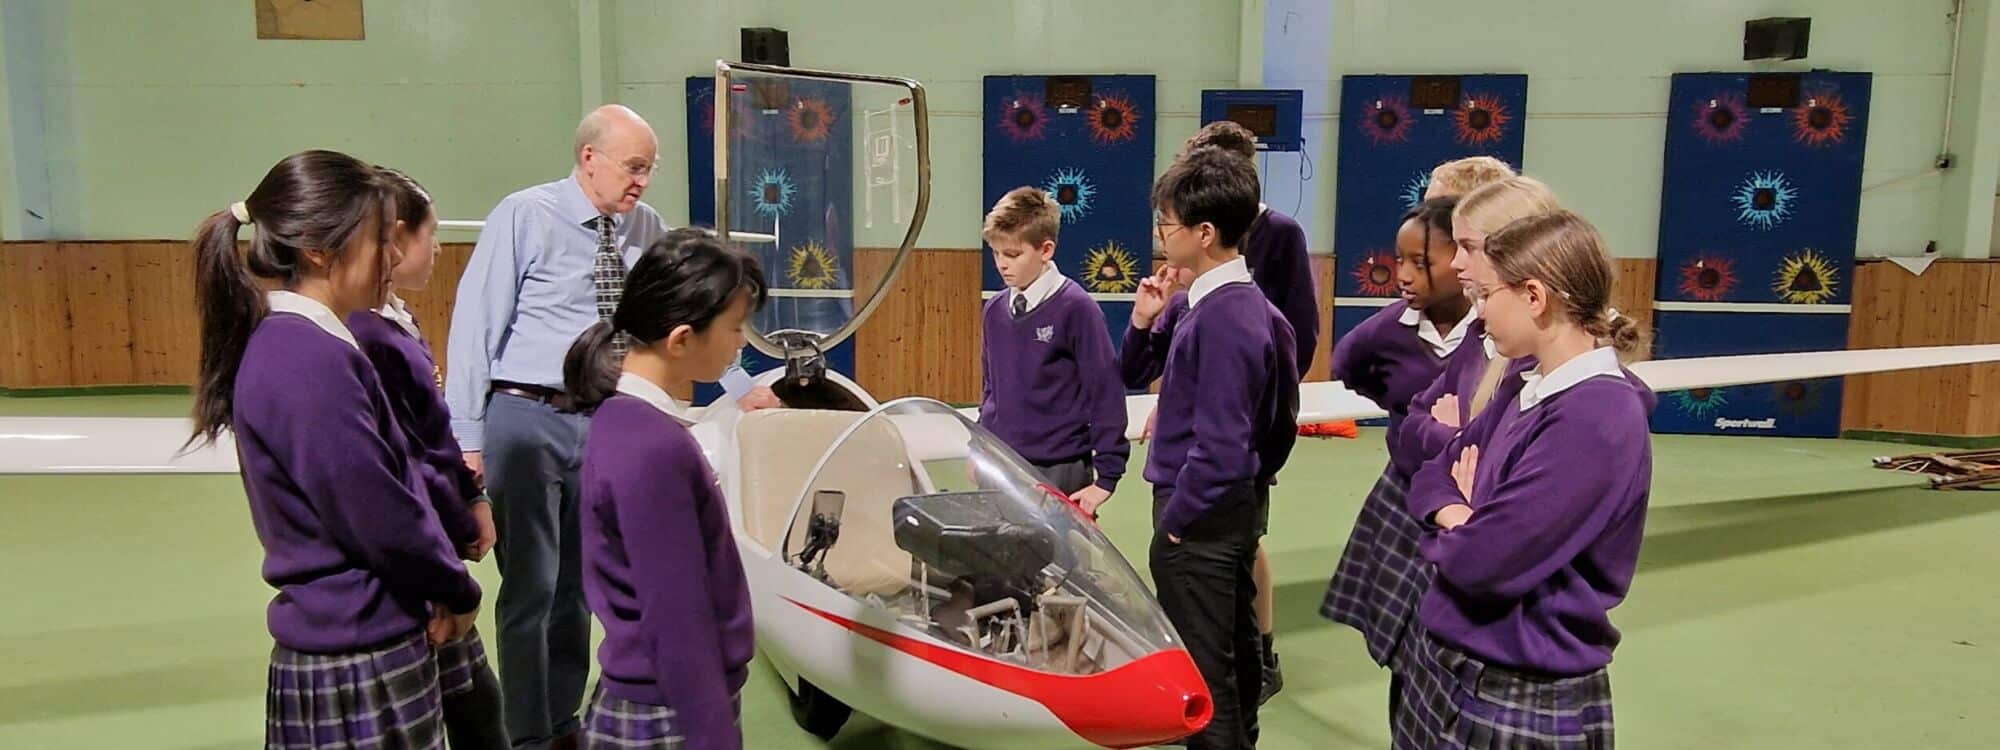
240,211
1611,314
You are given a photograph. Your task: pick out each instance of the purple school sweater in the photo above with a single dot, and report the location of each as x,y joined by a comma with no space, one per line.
661,572
1385,362
1052,393
1141,361
350,538
1275,249
409,379
1229,401
1420,436
1529,582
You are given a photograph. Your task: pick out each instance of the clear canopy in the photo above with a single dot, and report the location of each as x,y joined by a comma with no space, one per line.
917,510
823,177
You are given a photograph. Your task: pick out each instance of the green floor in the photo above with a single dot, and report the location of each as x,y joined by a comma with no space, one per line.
1789,597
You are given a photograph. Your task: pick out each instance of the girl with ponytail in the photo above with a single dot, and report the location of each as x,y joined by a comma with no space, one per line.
660,568
1536,510
366,579
415,388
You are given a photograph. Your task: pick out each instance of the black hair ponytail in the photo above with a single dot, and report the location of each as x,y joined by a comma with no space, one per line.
685,278
312,200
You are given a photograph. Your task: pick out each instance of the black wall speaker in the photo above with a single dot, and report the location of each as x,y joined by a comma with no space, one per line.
766,47
1776,38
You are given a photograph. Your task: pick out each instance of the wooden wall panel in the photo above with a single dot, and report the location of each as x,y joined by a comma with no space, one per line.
926,337
99,300
166,335
36,297
1322,365
1633,287
1951,303
1983,385
434,305
13,366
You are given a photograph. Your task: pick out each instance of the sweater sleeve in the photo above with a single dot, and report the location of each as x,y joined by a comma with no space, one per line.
1545,507
1143,358
1233,356
1421,436
656,507
1301,303
358,489
1357,366
1105,394
446,479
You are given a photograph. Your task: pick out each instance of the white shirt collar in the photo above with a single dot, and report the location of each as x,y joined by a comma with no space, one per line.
1041,290
1594,363
644,390
1234,272
399,313
1442,344
282,301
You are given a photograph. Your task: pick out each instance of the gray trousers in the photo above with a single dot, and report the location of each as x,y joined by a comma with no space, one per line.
534,455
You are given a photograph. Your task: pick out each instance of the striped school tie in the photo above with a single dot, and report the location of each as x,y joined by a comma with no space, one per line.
609,280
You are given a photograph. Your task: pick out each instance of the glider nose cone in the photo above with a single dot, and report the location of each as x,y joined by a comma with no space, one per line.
1165,699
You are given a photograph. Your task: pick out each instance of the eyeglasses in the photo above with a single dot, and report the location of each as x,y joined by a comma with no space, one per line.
633,167
1160,229
1482,292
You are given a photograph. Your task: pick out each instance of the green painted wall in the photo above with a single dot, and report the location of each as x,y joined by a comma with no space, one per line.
159,112
950,46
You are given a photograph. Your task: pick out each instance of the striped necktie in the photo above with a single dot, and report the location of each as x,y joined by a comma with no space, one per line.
609,279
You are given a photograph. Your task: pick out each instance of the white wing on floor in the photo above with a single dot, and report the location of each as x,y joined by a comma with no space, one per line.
1328,402
108,445
61,445
1717,372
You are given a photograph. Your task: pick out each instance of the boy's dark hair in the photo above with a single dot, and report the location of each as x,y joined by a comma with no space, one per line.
1223,134
685,278
1213,186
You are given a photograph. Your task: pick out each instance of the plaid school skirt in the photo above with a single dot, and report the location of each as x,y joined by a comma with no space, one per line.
618,724
458,661
1381,575
387,698
1465,703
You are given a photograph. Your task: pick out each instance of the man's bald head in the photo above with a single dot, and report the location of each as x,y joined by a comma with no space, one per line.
608,123
615,155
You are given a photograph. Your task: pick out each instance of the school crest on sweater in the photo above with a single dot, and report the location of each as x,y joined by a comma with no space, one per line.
1045,334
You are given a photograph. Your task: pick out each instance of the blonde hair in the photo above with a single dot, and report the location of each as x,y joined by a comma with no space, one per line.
1028,214
1461,176
1566,254
1489,208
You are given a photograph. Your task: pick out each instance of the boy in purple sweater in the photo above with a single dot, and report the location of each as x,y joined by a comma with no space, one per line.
1227,423
660,567
1533,547
1052,391
411,379
351,539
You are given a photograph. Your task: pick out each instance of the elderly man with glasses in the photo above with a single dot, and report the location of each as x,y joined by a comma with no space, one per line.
550,262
